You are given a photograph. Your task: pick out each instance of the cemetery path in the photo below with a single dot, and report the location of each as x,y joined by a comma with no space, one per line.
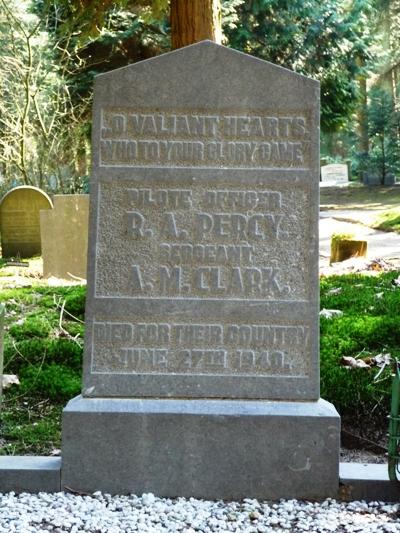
381,244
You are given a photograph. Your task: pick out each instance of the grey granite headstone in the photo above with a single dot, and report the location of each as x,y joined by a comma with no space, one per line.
203,259
202,282
371,179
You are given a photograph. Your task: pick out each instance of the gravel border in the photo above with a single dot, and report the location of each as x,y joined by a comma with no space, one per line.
101,513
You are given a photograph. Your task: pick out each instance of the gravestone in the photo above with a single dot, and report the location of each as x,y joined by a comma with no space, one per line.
335,174
64,234
201,365
373,179
19,221
343,248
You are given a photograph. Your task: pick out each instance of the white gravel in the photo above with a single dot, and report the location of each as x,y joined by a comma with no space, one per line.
102,513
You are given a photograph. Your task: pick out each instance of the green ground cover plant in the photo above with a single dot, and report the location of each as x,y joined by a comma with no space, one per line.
358,196
388,221
44,344
367,331
43,347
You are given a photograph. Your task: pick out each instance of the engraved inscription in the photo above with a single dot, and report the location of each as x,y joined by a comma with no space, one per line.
132,138
20,226
202,243
126,347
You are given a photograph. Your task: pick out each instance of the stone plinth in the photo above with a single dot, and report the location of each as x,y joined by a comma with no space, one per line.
64,234
214,449
19,221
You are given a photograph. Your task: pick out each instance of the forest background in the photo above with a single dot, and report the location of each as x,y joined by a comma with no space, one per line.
50,51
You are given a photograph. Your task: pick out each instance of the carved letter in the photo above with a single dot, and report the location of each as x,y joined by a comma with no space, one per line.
170,279
137,278
170,225
204,223
135,224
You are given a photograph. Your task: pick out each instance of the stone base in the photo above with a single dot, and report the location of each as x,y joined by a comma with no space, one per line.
213,449
369,482
29,473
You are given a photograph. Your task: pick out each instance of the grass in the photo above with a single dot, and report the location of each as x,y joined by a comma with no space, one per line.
388,221
370,325
380,204
30,426
359,196
43,346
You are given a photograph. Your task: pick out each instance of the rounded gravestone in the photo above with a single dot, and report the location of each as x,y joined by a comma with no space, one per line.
20,221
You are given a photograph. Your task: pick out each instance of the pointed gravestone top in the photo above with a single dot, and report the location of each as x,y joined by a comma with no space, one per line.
203,261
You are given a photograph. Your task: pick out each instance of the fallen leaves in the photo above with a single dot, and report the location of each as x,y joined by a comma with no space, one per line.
381,360
352,362
330,313
9,379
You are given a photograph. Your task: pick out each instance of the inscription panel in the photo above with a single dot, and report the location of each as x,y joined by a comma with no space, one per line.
20,226
195,349
199,242
129,137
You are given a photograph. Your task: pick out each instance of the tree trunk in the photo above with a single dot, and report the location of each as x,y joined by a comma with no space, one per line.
363,118
383,160
195,20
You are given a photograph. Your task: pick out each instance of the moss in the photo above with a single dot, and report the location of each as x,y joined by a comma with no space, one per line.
342,237
31,326
370,325
54,381
388,221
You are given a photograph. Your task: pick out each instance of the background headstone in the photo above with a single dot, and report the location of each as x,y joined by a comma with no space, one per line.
64,234
345,248
19,221
373,180
335,174
203,285
349,173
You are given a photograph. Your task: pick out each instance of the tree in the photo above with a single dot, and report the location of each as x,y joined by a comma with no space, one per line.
195,21
39,126
383,124
325,40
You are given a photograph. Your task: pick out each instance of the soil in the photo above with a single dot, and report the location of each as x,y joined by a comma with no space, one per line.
356,448
361,456
12,277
